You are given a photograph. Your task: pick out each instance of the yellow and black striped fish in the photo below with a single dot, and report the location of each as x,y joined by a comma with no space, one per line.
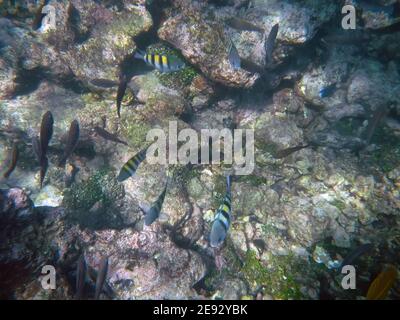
163,63
222,219
129,168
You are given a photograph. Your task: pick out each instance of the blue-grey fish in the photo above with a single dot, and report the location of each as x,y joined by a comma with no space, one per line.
101,277
163,63
270,42
151,214
222,219
73,137
80,277
327,91
130,167
234,57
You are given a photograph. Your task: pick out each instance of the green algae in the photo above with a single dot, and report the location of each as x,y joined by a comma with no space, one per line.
278,279
387,155
253,180
135,132
101,186
338,204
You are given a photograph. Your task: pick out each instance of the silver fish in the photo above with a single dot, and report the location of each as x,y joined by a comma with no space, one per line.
101,277
151,214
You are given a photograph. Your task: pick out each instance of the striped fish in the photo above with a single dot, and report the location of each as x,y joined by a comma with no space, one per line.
129,168
162,63
152,214
222,219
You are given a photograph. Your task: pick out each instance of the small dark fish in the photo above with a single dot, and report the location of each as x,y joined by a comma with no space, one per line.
324,293
287,152
349,259
270,42
108,136
251,66
92,273
163,63
234,57
129,168
13,158
151,214
104,83
46,132
80,277
222,219
243,25
73,137
327,91
44,165
377,117
123,83
101,277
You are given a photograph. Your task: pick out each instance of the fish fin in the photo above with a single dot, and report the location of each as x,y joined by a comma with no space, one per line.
228,183
163,217
380,287
144,208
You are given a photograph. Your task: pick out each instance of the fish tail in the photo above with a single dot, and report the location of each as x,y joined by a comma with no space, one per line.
139,54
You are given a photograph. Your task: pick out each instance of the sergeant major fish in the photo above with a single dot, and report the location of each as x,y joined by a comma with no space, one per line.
222,219
163,63
130,167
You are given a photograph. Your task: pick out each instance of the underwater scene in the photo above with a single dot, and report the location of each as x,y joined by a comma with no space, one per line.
199,149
